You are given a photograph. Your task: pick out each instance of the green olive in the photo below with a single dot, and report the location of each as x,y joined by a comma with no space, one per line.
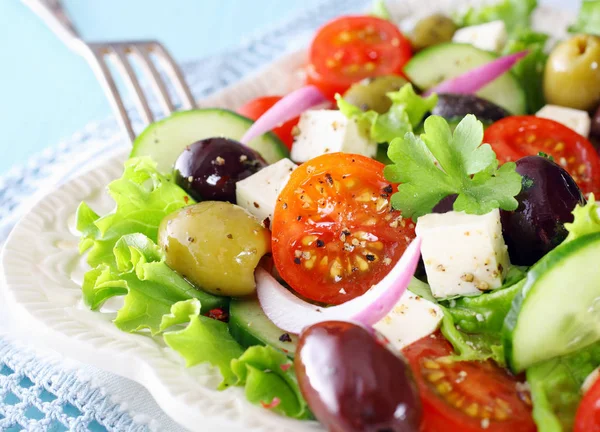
370,94
572,75
432,30
215,245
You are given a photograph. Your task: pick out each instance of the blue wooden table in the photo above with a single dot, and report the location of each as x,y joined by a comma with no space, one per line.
47,93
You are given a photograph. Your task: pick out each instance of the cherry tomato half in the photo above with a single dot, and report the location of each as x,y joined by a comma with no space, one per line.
515,137
587,418
351,48
334,234
466,396
257,107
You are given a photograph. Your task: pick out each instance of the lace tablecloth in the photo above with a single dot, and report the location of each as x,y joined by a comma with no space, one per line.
42,391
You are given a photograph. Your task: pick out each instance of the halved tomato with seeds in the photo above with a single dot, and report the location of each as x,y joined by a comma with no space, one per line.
466,396
518,136
334,233
351,48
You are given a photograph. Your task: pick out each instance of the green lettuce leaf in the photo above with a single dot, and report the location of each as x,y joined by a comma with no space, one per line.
180,313
516,14
441,163
473,325
484,313
204,340
586,220
380,10
143,197
406,112
530,70
472,346
269,378
588,20
150,287
556,388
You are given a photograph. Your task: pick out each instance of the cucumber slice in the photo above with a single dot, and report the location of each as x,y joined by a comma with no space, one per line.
249,325
558,310
441,62
164,140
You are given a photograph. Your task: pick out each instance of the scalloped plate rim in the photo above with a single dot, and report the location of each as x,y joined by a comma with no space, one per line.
161,383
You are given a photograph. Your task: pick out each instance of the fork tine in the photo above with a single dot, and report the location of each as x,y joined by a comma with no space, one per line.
122,62
187,100
155,78
95,56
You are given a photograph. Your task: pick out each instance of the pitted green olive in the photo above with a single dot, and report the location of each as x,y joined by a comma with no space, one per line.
572,74
370,94
432,30
215,245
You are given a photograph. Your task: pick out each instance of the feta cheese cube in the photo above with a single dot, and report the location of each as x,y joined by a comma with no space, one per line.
258,193
412,318
330,131
490,36
575,119
463,254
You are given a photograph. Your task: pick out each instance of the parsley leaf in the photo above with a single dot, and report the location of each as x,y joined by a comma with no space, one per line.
442,163
406,112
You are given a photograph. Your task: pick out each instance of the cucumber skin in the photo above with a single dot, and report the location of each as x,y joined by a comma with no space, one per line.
422,57
239,329
545,264
146,136
243,337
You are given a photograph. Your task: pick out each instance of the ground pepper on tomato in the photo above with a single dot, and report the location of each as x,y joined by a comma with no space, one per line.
334,233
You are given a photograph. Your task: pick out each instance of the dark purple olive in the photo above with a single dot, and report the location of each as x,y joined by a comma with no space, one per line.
595,128
445,205
209,168
546,203
353,383
453,106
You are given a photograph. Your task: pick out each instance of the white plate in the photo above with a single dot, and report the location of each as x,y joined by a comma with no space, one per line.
42,272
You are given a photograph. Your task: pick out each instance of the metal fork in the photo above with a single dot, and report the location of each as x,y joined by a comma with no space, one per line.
120,53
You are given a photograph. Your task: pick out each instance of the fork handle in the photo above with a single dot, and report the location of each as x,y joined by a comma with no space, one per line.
55,17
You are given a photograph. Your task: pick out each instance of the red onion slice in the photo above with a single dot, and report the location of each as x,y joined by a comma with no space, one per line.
474,80
285,109
292,314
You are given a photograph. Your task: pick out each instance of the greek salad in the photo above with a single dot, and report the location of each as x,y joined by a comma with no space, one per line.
408,242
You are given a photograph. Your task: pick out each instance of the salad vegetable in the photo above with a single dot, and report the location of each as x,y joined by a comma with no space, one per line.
300,279
285,109
588,20
292,314
405,113
516,14
476,79
442,163
257,107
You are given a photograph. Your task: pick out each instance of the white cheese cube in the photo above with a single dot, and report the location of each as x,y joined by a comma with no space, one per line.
575,119
412,318
463,254
258,193
490,36
329,131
